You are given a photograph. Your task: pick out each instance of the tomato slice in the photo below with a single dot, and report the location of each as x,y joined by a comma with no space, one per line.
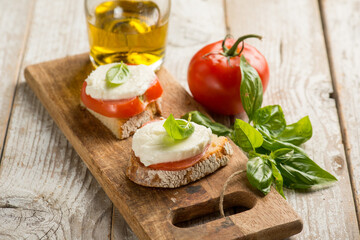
124,108
179,165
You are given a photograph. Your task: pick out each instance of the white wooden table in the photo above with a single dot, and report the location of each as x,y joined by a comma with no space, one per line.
313,49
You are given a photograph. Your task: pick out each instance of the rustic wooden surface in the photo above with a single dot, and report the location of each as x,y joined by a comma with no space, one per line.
46,190
57,84
14,25
342,18
300,82
40,172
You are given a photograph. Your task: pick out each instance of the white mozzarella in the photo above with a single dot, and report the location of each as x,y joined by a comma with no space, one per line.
152,145
140,79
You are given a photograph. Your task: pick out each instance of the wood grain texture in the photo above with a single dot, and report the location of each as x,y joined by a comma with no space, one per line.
120,228
58,29
189,30
300,82
46,192
153,213
15,21
193,24
341,22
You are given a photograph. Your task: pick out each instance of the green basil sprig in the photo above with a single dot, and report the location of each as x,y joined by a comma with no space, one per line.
201,119
178,129
246,136
117,75
277,178
275,155
270,119
251,90
259,173
297,133
299,171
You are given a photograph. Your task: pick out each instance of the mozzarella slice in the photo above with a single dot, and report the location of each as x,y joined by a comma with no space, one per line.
152,145
140,79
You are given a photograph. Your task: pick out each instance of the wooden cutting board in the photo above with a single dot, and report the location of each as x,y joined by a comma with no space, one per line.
158,213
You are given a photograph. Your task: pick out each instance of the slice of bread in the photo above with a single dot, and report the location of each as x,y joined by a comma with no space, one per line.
124,128
216,156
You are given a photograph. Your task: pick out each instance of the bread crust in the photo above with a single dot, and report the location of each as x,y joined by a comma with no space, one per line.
216,156
124,128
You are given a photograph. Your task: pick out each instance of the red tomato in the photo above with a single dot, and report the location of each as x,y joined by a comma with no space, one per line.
215,82
179,165
124,108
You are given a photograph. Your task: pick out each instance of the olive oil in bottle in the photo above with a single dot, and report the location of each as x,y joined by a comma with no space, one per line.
128,31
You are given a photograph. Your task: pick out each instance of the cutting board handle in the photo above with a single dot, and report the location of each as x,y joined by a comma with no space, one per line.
248,224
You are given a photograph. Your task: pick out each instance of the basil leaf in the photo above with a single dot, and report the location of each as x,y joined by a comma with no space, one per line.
272,144
299,171
270,119
251,90
201,119
259,174
246,136
117,74
262,150
178,129
278,179
297,133
282,154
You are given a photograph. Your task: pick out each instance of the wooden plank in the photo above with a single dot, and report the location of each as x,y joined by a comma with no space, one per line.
153,213
193,24
189,30
120,228
300,82
14,25
342,32
46,192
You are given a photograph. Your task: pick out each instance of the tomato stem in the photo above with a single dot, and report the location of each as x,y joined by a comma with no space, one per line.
229,53
232,51
225,49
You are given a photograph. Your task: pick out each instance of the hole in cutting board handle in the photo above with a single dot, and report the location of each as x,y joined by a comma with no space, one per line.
204,212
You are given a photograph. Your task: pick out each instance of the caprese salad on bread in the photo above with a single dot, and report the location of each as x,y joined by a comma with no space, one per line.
174,152
123,97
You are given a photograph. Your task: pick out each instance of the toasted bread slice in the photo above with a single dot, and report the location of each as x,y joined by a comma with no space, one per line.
124,128
216,156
